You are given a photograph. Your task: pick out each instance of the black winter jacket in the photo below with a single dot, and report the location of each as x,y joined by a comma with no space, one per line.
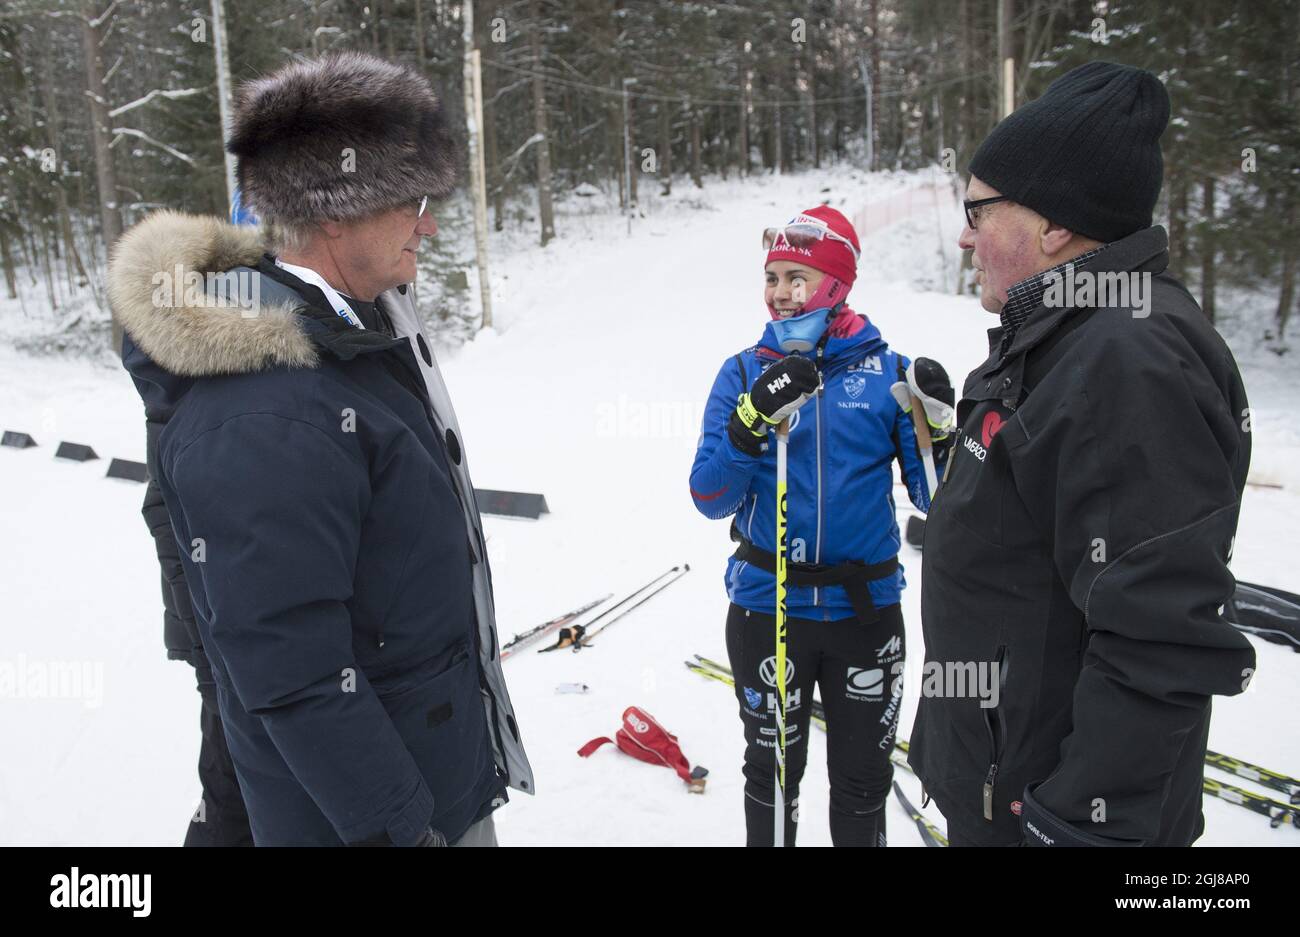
1081,541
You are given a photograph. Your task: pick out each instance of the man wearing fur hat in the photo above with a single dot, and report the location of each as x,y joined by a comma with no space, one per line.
1076,554
309,459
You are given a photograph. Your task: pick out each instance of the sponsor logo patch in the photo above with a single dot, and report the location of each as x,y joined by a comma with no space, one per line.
989,428
866,683
892,650
767,670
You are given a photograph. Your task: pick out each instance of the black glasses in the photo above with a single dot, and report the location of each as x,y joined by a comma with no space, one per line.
972,206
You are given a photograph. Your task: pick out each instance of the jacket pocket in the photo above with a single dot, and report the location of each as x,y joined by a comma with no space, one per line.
995,722
443,724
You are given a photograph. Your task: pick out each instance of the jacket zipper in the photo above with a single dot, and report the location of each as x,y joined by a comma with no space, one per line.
817,550
990,779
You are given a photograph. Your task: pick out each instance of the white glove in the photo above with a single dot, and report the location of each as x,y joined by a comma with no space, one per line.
929,383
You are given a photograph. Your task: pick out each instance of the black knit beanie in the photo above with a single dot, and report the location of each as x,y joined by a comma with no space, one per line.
1085,155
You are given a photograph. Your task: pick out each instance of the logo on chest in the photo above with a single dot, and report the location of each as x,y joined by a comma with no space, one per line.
854,384
871,363
990,426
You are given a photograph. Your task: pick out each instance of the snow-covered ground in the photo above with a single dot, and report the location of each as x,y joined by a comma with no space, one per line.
610,342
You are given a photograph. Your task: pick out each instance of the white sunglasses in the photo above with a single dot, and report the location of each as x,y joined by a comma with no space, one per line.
802,235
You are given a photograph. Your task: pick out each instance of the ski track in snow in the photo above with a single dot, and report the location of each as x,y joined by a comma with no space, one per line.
608,343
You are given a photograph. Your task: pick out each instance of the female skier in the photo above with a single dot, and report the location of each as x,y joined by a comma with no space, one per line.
826,369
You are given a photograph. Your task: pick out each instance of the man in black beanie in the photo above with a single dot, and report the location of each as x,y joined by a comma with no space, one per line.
1076,555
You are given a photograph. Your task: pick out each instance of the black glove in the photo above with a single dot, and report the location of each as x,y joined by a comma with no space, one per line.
778,392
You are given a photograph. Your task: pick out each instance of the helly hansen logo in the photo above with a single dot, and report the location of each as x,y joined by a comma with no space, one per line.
777,384
869,363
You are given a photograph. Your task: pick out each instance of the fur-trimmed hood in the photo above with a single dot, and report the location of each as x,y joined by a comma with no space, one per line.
189,332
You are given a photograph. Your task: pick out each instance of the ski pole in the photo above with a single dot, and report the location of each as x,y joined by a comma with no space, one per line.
570,636
782,443
921,425
584,639
929,833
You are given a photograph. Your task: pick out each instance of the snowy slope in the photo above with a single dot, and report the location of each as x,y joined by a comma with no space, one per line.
609,342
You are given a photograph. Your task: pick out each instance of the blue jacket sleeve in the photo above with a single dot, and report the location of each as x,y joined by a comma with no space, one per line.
721,473
909,454
278,506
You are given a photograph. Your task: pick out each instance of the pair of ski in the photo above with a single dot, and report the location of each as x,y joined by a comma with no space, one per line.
578,636
1278,813
931,835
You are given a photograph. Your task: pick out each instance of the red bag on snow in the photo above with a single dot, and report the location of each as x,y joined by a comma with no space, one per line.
642,737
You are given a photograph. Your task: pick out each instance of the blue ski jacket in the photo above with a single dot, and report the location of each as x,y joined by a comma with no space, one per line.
840,501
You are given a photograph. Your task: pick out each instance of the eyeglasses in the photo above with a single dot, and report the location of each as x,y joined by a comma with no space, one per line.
424,203
972,208
803,235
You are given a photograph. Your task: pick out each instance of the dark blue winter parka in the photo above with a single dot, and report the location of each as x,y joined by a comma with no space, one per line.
321,530
840,498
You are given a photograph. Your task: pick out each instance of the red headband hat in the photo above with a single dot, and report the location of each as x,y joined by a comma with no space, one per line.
829,255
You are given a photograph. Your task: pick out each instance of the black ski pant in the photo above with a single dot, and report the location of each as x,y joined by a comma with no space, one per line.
221,818
859,670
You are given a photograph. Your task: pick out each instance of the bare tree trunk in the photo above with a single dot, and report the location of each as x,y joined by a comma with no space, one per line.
496,182
93,30
420,61
472,87
969,134
492,153
665,148
1178,223
873,20
11,281
383,18
74,267
48,272
634,160
1286,295
746,106
777,155
697,173
809,147
1006,102
1207,248
545,209
742,143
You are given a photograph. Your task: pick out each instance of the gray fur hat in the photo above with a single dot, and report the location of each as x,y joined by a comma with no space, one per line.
339,137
